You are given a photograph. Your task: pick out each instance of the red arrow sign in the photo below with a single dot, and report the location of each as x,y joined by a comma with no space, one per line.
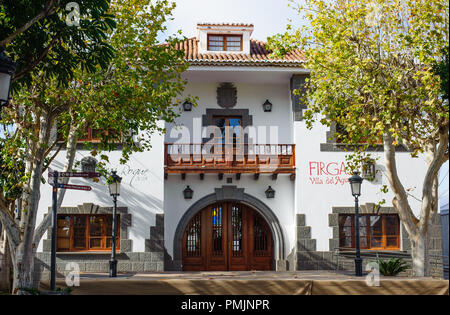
77,187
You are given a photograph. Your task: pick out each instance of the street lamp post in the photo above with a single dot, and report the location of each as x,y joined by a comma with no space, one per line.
114,191
7,70
355,183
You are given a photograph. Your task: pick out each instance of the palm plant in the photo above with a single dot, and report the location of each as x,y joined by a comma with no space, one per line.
392,267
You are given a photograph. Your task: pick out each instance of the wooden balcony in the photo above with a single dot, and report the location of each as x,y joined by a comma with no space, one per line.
229,158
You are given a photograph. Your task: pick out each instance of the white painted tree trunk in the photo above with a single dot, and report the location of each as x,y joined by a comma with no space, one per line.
23,258
418,254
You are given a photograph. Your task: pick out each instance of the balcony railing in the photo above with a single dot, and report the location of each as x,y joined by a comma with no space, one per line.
229,158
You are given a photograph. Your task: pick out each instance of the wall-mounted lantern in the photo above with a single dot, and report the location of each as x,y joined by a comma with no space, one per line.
267,106
7,70
188,192
368,170
270,192
187,106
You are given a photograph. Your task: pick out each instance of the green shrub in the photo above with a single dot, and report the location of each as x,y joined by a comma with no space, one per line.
392,267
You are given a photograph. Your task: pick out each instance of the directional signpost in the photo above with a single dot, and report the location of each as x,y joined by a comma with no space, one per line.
53,177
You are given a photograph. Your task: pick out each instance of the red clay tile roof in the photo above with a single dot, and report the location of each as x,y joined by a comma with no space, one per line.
258,56
225,24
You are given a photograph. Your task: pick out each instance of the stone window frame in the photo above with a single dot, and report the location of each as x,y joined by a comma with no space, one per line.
90,208
368,208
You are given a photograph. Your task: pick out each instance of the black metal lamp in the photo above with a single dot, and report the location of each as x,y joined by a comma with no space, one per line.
187,106
267,106
270,192
114,191
188,193
355,184
7,70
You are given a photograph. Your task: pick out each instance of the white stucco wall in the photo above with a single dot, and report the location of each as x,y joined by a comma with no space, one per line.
249,96
315,199
142,189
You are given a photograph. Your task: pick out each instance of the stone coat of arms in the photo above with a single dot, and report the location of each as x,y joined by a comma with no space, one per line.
226,95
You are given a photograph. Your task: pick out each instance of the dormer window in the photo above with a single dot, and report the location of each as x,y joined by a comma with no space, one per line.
224,38
224,42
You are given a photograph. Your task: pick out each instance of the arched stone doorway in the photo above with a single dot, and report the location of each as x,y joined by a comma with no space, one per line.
252,208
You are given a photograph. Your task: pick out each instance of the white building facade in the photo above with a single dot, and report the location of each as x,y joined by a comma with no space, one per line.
236,183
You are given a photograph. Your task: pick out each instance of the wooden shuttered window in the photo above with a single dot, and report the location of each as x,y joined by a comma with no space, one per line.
376,231
85,232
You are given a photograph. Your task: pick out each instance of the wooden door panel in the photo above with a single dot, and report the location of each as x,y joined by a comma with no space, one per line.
227,236
216,237
193,244
237,237
261,242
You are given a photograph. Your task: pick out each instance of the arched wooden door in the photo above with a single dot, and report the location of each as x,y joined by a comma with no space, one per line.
227,236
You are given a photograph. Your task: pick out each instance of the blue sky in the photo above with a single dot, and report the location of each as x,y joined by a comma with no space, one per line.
268,16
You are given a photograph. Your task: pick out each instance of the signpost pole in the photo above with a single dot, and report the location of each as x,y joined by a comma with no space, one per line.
54,219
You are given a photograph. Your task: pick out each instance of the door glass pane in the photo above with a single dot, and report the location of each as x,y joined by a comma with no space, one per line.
215,43
63,233
236,225
235,124
96,226
233,43
260,244
95,242
79,232
363,234
376,231
220,122
193,237
392,241
345,230
63,229
376,241
392,225
217,230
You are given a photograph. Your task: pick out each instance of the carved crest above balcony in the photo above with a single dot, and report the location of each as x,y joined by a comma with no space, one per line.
226,95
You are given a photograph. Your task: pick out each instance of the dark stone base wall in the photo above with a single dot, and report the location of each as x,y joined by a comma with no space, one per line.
151,260
308,258
126,262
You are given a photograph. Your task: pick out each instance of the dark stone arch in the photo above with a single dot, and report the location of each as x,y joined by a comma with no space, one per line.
232,193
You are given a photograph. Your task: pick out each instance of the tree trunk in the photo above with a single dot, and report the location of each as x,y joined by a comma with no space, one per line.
23,270
25,252
5,264
418,254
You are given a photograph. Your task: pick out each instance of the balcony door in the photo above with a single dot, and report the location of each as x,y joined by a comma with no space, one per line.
231,138
227,236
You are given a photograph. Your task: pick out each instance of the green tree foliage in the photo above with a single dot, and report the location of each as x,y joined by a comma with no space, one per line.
373,73
36,35
127,98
